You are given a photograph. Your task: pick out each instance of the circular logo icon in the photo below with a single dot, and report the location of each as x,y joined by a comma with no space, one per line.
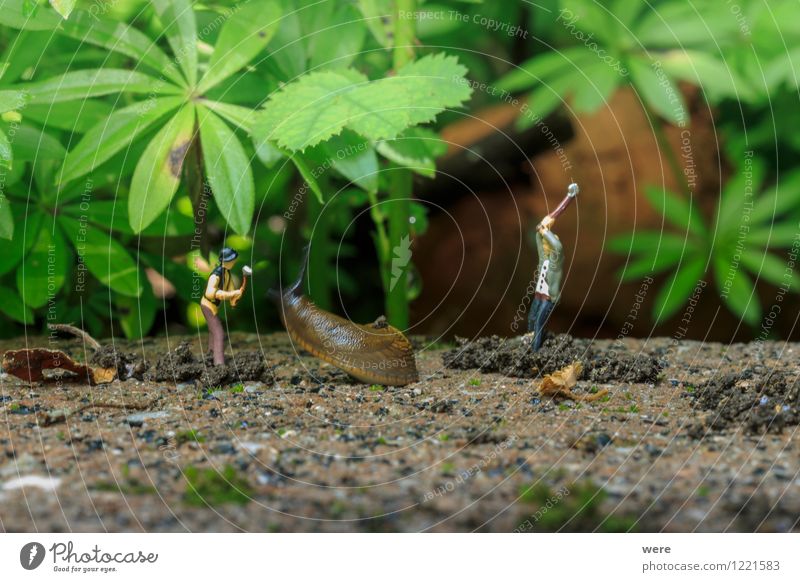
31,555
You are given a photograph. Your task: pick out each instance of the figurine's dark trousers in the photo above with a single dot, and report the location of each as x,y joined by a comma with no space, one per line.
216,335
537,319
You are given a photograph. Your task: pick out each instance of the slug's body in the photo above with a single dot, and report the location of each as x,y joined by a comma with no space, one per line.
376,353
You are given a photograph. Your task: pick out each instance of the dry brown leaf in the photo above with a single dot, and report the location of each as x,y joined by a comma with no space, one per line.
29,365
559,384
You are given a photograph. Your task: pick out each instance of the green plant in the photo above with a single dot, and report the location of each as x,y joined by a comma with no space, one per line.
209,487
749,225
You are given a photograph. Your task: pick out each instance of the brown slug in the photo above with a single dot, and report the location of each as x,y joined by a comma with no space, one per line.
375,353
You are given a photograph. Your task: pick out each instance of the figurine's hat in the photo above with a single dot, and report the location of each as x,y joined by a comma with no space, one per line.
227,254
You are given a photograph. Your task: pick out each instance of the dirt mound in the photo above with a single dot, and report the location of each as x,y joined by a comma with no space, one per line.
181,365
514,357
127,364
756,398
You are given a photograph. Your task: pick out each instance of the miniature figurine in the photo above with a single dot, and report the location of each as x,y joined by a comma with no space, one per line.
220,289
548,275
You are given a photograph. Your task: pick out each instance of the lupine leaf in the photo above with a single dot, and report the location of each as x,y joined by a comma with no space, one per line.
228,170
43,272
80,85
158,171
113,134
177,18
677,289
676,210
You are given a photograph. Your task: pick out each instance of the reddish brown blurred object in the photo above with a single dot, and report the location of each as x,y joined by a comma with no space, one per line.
476,262
30,364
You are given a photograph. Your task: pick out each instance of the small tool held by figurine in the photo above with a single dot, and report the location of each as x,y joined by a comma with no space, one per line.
246,273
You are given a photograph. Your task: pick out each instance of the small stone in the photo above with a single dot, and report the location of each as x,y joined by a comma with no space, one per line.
140,418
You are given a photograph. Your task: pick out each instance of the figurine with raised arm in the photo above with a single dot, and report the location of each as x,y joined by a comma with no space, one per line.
218,290
548,274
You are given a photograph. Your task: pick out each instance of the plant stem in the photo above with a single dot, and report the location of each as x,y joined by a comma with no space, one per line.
400,179
195,174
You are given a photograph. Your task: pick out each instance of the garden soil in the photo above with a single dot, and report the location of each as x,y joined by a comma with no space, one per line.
690,437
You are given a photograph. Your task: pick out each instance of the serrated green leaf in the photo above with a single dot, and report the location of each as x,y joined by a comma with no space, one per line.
658,92
682,214
676,291
177,18
737,290
43,272
113,134
104,257
353,157
245,34
79,85
320,105
158,171
12,306
416,148
228,169
63,7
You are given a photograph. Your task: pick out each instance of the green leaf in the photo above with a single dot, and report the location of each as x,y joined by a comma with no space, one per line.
11,100
137,314
308,175
6,218
111,215
320,105
104,257
658,252
770,268
6,154
241,117
781,199
679,212
93,83
63,7
377,13
16,14
13,307
43,272
268,153
354,158
737,290
546,67
416,148
777,235
715,77
228,170
589,16
245,34
657,91
544,100
177,18
339,41
158,172
72,116
595,87
686,24
26,232
113,134
31,143
738,197
678,288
